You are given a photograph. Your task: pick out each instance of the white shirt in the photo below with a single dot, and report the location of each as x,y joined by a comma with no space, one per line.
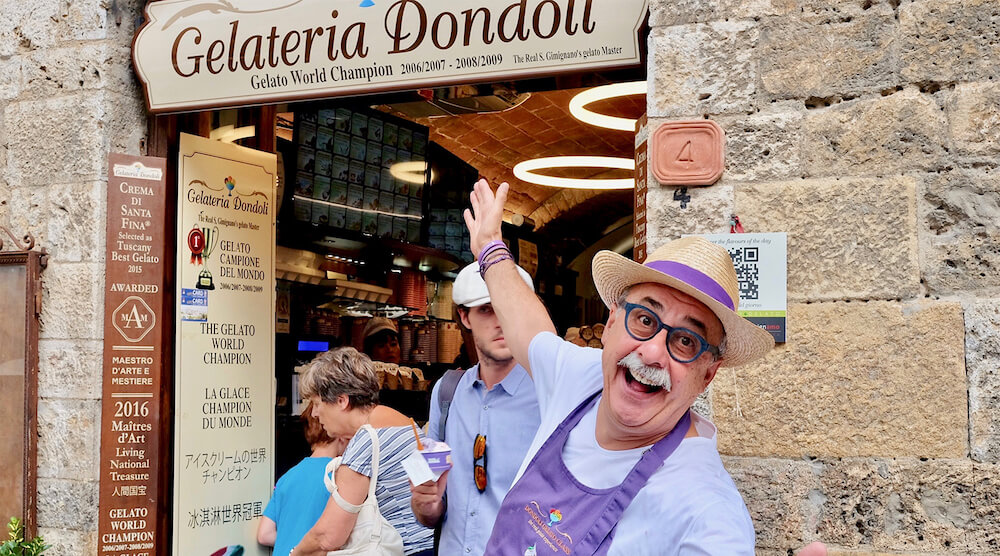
689,506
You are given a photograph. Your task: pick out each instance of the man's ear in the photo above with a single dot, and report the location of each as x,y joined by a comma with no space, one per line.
711,372
463,316
343,402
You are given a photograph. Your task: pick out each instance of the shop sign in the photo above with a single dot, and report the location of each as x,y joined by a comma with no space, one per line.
196,54
761,262
639,193
133,363
224,399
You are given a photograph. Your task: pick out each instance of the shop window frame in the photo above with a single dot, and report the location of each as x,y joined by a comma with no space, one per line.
33,263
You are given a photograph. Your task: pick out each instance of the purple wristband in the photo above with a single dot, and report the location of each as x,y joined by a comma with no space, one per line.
489,247
483,267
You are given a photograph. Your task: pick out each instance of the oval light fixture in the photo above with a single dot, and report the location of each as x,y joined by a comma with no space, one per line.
526,171
578,104
414,171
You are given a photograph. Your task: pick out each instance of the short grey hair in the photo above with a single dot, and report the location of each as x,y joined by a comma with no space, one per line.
622,301
342,370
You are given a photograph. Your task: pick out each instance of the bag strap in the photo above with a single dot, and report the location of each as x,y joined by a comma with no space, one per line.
331,484
449,383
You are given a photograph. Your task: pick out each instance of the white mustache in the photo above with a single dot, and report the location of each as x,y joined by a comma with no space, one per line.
650,376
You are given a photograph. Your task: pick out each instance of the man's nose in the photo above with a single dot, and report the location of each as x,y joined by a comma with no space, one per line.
653,352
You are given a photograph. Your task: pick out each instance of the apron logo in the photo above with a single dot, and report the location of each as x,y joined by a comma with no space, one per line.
546,530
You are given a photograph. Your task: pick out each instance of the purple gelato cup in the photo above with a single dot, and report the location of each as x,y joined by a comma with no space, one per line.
438,457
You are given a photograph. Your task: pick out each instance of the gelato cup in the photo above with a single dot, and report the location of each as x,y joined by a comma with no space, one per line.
438,456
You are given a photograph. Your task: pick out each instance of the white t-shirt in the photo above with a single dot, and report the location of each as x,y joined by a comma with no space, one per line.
689,506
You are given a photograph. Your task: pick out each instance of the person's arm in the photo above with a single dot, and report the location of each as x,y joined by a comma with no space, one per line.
427,500
522,315
267,531
335,525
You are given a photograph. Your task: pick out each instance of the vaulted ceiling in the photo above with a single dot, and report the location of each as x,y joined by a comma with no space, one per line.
542,126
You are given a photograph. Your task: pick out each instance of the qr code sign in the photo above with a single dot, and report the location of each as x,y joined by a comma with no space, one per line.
745,261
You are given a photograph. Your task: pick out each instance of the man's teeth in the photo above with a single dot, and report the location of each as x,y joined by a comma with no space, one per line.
651,377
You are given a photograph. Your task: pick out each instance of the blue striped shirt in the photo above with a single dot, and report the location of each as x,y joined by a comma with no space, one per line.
393,487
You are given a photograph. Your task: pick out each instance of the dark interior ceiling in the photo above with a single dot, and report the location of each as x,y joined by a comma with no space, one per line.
540,125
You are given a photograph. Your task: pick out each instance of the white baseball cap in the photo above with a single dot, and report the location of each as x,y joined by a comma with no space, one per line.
470,289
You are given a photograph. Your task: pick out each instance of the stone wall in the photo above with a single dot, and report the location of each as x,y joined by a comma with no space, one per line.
868,130
67,98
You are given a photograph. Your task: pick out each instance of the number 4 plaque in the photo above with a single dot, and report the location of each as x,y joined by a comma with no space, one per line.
687,152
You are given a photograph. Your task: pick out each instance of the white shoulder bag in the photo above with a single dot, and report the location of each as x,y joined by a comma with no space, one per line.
372,533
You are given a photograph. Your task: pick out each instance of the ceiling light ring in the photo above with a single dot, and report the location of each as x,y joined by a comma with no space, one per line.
526,171
578,104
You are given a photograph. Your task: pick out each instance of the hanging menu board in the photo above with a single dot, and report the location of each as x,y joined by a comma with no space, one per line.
361,171
224,399
133,330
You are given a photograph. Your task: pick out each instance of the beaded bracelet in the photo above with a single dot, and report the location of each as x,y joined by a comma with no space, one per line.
489,248
483,267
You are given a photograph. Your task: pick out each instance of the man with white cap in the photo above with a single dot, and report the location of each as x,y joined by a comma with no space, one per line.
620,465
490,421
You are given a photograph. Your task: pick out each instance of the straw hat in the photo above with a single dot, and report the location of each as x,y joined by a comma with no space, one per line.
698,268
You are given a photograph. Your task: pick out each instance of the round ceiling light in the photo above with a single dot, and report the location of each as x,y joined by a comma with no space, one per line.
526,171
578,104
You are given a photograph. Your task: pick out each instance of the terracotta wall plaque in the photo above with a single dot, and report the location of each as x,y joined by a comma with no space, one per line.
687,152
641,185
133,324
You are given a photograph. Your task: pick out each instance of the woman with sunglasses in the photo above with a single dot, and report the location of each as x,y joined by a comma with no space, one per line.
343,389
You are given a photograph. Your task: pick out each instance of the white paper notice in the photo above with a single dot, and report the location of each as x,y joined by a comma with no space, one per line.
417,469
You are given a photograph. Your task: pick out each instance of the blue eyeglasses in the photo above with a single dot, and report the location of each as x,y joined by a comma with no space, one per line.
683,345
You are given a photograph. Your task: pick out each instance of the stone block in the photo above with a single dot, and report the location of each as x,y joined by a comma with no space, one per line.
76,222
69,439
854,379
902,132
68,541
973,111
67,504
84,19
949,40
126,123
959,211
28,210
666,12
28,24
59,139
673,211
824,55
10,78
764,146
851,238
70,369
900,505
984,534
73,301
783,498
702,69
982,361
84,66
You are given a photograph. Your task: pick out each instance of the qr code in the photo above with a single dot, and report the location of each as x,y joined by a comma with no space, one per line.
745,260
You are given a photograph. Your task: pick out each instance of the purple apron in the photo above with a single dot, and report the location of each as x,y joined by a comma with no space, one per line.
549,512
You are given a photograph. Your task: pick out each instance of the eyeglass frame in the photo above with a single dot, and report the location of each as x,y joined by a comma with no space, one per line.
703,347
475,463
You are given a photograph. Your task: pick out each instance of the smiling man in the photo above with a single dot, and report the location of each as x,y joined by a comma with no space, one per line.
620,464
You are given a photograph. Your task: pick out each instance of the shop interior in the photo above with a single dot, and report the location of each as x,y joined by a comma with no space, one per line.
370,224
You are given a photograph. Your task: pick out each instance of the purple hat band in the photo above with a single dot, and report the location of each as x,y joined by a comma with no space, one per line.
703,282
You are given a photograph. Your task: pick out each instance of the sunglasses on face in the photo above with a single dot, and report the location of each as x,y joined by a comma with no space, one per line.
683,345
479,469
